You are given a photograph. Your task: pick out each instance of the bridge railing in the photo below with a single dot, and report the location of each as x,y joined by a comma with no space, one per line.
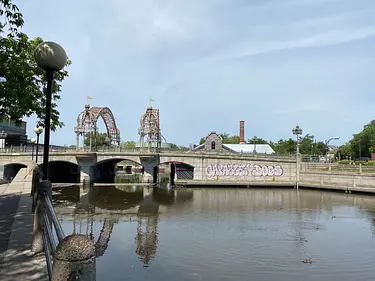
71,257
28,151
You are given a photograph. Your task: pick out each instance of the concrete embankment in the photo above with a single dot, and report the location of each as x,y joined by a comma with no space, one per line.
356,184
16,259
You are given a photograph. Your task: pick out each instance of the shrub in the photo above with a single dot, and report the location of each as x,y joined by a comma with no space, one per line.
369,163
345,162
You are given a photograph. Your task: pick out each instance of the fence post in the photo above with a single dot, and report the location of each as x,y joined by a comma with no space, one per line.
37,242
75,259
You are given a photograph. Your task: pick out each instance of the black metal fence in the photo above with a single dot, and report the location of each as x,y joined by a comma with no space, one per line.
71,257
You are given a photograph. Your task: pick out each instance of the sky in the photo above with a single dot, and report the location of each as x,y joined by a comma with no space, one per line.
209,64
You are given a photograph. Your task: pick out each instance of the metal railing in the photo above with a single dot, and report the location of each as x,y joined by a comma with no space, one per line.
73,257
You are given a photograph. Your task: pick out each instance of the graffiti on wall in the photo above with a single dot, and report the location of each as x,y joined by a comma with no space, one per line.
243,170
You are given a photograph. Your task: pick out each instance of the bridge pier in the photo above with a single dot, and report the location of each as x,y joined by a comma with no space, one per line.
155,178
151,168
85,178
147,191
172,174
86,162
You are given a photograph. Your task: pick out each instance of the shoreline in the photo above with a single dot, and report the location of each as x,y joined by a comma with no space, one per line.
267,184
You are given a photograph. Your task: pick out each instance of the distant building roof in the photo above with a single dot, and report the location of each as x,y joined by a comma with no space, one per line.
249,148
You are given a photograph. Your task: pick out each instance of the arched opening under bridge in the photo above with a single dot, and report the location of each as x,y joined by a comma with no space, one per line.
11,170
62,172
112,171
174,170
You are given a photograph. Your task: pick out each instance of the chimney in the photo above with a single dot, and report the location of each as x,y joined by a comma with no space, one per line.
242,132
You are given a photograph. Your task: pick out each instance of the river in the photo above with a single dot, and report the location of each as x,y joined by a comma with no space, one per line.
224,234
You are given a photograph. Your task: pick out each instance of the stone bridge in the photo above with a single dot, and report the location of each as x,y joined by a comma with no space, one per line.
78,166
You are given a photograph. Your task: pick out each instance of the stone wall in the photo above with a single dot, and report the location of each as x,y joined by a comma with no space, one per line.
244,170
213,137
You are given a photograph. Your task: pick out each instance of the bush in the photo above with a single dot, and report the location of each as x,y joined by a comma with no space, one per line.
164,180
345,162
360,162
369,163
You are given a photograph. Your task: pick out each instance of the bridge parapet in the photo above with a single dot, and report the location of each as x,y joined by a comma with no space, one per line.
116,153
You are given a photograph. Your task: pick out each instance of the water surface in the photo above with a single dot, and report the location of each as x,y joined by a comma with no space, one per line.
224,234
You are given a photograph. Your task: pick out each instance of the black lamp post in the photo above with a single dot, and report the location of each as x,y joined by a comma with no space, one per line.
38,130
33,141
51,57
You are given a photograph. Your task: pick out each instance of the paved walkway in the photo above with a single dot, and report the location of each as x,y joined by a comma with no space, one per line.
17,262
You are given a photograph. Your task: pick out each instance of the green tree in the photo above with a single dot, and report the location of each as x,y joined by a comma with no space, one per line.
174,146
320,148
258,141
101,139
306,144
363,143
128,144
22,93
228,139
284,146
345,151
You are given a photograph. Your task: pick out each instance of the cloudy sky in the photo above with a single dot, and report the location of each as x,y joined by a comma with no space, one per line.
210,63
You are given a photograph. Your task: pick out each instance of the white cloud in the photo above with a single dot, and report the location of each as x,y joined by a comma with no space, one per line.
210,63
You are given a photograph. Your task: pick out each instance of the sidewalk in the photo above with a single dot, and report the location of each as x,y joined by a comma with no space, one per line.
16,226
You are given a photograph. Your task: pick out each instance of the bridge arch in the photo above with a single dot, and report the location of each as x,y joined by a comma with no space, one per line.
11,170
182,170
87,123
105,171
60,171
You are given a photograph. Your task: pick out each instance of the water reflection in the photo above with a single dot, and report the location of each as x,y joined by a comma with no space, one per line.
111,203
242,234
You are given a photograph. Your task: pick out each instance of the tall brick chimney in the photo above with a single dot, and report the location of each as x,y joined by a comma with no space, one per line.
242,132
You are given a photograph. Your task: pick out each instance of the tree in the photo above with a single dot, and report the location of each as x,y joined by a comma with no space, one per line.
23,91
284,146
258,141
363,143
345,151
174,146
101,139
128,144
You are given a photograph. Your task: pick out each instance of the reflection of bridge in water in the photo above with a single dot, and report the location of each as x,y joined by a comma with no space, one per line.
111,204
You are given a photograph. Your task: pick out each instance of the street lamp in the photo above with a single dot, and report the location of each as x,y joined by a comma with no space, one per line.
38,130
33,141
297,131
327,143
51,57
254,139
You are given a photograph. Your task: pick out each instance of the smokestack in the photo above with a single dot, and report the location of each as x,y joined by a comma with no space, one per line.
242,132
